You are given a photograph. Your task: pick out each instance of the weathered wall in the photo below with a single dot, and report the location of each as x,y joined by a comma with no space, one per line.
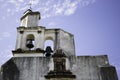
108,73
35,68
61,39
30,19
30,68
21,37
67,43
87,67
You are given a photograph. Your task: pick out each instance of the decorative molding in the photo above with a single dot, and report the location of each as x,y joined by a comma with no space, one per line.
38,50
60,74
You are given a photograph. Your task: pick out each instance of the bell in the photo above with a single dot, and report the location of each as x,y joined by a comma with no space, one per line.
47,54
30,43
48,51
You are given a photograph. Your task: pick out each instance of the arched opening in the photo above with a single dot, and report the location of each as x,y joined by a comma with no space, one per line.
48,43
30,41
48,47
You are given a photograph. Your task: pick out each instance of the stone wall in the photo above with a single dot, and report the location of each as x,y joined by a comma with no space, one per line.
27,68
88,67
67,43
35,68
61,39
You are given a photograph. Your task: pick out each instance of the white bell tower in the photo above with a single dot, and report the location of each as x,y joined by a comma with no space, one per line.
29,41
30,19
31,38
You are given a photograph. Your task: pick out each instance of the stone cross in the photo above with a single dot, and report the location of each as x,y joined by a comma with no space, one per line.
30,4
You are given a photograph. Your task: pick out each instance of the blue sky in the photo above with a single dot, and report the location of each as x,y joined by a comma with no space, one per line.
94,23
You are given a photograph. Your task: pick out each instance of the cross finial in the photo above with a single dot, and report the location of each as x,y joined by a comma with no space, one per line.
30,4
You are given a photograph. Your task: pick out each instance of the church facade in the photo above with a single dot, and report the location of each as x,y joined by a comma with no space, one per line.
31,61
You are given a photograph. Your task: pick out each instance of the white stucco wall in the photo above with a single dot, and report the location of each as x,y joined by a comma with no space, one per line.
35,68
61,39
67,43
30,20
87,67
38,37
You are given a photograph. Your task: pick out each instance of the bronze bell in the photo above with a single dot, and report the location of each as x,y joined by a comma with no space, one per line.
48,51
30,44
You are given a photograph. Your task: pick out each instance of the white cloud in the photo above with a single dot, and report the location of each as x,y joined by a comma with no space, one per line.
12,1
70,11
46,16
21,0
34,2
48,2
48,8
59,10
64,8
71,8
87,2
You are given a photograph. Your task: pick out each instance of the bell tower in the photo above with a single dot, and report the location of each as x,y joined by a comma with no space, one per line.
29,35
30,19
31,38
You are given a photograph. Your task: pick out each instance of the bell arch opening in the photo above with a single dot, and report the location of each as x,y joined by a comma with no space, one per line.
48,47
49,43
30,39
